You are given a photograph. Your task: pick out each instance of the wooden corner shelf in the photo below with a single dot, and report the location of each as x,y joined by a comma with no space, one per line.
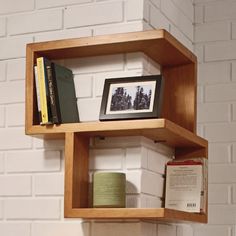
176,128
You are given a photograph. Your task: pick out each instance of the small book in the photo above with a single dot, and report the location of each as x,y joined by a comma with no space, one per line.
62,96
42,63
186,185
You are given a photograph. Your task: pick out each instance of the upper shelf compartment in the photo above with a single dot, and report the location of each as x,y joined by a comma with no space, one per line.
178,67
159,45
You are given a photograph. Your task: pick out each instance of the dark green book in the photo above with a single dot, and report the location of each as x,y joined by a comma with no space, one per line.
65,104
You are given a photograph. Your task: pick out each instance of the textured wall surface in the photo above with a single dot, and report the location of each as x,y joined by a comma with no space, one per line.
215,46
32,169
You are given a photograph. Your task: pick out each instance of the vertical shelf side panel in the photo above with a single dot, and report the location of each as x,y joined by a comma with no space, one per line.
76,172
30,92
179,105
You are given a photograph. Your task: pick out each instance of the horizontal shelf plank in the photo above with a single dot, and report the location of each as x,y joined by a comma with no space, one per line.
161,214
158,130
159,45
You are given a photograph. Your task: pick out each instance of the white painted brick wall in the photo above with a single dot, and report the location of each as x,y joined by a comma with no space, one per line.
92,14
10,188
32,169
12,228
35,22
32,209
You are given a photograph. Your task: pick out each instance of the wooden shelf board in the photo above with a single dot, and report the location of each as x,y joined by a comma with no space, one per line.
159,130
161,214
159,45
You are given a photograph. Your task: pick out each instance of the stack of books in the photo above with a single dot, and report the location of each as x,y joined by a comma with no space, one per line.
56,98
186,185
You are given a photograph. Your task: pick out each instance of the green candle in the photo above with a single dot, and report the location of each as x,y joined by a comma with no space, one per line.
109,189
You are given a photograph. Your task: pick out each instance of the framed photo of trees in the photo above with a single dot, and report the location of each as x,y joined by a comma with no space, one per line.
132,98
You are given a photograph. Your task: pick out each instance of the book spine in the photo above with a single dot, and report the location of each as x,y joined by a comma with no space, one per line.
42,90
52,96
37,93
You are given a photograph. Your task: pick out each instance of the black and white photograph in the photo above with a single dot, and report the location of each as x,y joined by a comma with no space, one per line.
132,97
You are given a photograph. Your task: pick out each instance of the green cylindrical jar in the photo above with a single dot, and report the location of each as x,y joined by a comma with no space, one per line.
109,189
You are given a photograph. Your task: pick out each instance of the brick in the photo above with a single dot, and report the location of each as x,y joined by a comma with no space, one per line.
1,162
14,47
198,14
157,3
119,28
212,32
222,173
106,159
35,22
15,228
200,93
234,194
89,109
216,230
184,230
130,14
57,144
93,14
133,201
2,116
133,181
56,3
186,26
16,69
150,201
63,34
219,153
220,92
49,184
199,52
187,7
136,60
32,209
220,11
111,229
213,112
181,37
12,118
234,153
99,78
1,209
83,86
163,230
2,71
96,64
233,71
158,20
16,185
221,214
60,228
16,89
148,229
157,162
170,10
136,158
11,6
221,132
32,161
219,51
212,73
219,194
2,27
14,139
153,189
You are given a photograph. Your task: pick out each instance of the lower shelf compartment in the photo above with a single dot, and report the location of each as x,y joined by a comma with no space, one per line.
158,214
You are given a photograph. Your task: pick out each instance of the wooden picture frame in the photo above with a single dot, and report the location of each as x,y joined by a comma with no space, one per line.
132,98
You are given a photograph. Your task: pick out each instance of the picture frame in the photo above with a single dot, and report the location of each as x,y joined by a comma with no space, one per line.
137,97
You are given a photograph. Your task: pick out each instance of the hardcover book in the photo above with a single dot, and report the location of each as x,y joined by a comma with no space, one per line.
63,97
